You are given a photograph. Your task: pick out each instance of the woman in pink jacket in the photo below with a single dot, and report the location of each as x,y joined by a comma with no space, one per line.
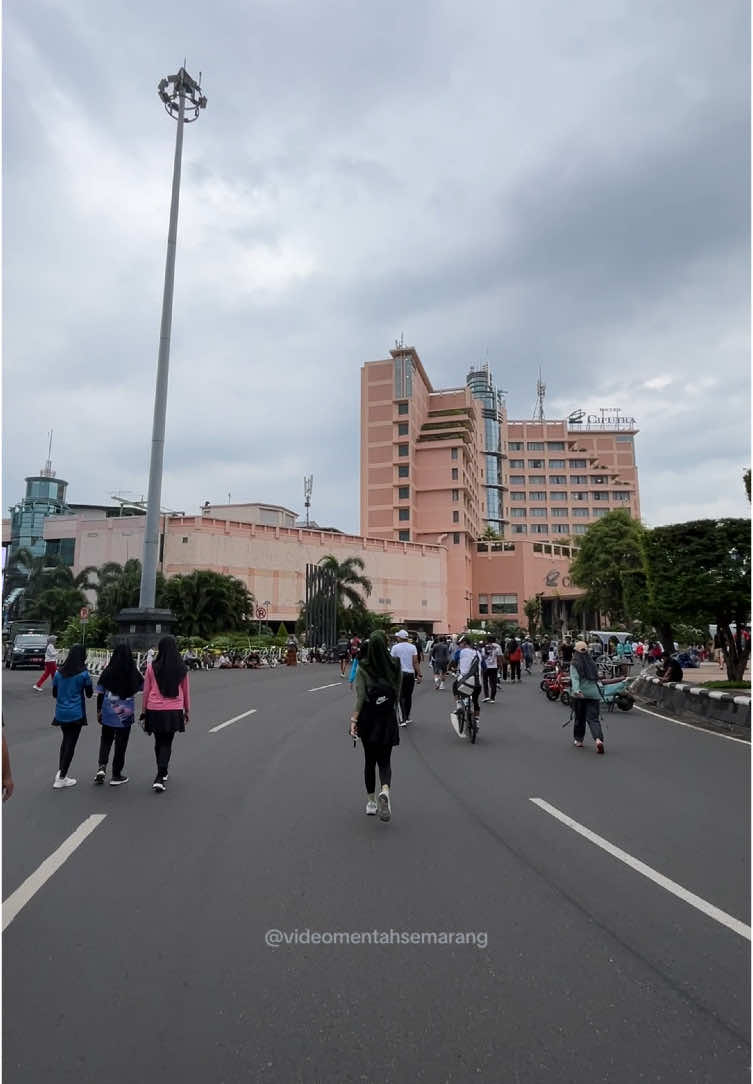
166,703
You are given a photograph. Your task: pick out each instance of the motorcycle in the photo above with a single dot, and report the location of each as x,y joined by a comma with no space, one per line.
557,687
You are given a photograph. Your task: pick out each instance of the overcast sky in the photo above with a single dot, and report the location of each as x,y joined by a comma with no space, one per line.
563,185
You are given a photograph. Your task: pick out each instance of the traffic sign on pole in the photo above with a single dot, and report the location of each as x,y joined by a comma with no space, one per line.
83,613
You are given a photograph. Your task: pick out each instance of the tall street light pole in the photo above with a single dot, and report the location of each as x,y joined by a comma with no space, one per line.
183,100
176,92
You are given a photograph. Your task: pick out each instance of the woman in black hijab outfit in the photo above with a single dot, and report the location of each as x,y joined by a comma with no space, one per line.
116,691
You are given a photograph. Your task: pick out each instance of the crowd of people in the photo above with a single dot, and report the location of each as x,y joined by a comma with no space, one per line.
384,678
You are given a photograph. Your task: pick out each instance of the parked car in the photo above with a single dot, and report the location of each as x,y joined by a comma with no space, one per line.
27,650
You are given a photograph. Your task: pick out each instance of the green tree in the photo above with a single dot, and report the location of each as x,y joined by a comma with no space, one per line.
119,586
532,610
611,566
700,575
490,535
352,586
206,603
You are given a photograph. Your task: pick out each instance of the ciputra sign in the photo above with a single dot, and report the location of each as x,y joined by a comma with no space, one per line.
609,417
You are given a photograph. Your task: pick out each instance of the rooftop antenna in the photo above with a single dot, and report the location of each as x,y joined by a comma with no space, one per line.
538,410
48,472
308,485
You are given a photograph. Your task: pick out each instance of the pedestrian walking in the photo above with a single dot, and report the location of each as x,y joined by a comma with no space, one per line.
116,691
374,720
439,657
342,651
492,653
70,685
516,656
166,704
585,696
527,649
50,663
406,652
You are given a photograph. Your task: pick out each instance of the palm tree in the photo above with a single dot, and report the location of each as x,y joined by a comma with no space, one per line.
206,603
348,579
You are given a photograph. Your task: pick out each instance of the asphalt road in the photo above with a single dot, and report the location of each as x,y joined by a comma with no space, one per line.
143,957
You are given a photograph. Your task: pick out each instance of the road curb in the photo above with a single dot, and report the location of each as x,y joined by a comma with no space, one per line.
709,708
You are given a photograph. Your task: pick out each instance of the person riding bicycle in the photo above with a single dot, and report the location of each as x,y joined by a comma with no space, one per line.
468,661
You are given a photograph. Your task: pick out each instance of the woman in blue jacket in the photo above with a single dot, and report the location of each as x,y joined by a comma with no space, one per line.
69,687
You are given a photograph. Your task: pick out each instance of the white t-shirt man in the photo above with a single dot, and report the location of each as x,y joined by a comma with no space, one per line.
492,655
406,652
465,660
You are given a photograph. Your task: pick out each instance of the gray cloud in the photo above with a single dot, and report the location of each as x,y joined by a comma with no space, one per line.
564,187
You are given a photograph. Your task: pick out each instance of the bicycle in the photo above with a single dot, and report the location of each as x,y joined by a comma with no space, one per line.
466,717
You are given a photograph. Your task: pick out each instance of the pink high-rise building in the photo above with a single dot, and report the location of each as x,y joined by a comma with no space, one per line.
446,465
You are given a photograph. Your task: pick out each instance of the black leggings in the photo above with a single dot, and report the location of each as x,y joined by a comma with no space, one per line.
376,754
119,735
163,744
514,670
71,732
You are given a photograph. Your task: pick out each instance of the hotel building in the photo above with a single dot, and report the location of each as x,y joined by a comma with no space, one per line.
444,465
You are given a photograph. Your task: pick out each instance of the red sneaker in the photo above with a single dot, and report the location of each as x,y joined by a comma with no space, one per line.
599,745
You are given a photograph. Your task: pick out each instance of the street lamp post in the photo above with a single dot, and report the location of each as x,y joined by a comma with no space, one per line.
183,100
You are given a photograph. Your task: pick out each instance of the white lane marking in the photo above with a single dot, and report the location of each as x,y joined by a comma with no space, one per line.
652,874
18,899
220,726
318,687
691,726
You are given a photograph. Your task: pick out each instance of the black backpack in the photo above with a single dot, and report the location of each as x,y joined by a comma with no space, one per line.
377,719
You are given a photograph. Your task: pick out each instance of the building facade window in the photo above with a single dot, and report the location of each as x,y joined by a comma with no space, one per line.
454,474
579,480
402,471
559,513
580,513
620,495
558,480
559,495
597,513
518,528
404,536
403,514
580,528
560,528
539,528
504,604
402,429
453,453
456,494
517,464
403,494
597,495
537,495
536,445
578,464
518,496
555,445
515,446
402,449
483,604
517,479
579,496
537,513
519,513
535,464
598,480
556,464
456,540
537,479
456,517
402,408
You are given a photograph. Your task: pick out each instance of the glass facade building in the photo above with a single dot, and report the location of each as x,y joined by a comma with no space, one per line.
481,383
45,496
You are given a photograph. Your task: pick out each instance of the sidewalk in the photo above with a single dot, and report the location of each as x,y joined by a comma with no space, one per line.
709,671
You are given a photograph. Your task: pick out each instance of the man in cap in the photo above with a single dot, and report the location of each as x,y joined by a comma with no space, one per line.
406,652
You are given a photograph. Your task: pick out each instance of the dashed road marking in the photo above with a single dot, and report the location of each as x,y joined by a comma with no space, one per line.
221,726
319,687
18,899
653,875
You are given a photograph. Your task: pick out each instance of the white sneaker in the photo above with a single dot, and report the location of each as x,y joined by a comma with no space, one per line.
441,686
63,781
402,722
486,699
371,808
385,809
